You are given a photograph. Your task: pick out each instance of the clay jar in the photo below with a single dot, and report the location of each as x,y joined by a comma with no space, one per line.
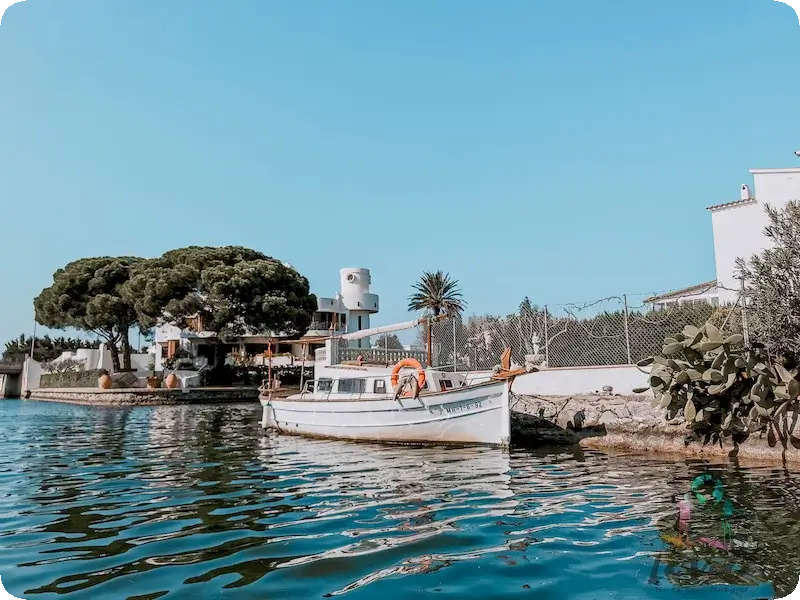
171,381
104,381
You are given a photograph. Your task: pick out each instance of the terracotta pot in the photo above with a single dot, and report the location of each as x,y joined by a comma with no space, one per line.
153,383
172,381
104,381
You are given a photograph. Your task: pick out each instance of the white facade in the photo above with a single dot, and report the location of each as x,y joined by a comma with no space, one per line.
347,311
739,226
738,229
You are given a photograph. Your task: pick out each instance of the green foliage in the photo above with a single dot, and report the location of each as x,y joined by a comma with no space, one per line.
391,341
45,348
721,388
772,285
64,366
437,293
72,379
233,291
87,295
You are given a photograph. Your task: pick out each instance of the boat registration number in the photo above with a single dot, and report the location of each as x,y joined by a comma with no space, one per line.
452,409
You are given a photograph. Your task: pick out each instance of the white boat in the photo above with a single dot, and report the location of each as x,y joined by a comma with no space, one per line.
393,405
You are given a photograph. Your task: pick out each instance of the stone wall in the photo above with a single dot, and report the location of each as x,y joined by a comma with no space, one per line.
627,423
145,397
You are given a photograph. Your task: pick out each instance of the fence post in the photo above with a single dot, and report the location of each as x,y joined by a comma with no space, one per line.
745,328
546,339
455,356
627,331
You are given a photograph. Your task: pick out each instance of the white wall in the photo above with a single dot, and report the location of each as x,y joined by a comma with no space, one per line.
580,380
31,374
739,229
164,333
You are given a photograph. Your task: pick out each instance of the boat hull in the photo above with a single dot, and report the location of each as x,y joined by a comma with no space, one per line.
472,415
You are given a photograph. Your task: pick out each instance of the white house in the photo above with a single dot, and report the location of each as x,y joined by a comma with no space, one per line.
347,311
738,229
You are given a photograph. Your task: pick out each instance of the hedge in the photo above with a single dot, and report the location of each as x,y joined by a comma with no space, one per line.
71,379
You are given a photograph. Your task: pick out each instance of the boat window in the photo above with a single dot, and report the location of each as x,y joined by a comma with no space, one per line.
353,386
379,387
324,385
447,384
309,387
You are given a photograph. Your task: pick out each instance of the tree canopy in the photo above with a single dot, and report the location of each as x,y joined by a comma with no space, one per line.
87,295
390,342
772,285
437,293
45,348
233,291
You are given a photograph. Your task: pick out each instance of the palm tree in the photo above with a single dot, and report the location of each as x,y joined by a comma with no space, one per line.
437,293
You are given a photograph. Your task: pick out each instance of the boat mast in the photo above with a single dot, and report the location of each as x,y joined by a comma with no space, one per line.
269,369
429,343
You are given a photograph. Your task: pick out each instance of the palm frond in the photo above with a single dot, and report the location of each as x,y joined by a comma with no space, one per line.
436,293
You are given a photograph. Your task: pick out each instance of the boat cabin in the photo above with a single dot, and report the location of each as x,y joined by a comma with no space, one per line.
356,383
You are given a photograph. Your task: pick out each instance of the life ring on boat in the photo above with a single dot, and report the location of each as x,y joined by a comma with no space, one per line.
408,362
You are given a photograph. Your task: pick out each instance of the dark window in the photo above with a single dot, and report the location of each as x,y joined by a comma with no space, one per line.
353,386
324,385
380,386
447,383
359,322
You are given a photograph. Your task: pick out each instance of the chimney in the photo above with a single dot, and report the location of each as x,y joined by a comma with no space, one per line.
746,195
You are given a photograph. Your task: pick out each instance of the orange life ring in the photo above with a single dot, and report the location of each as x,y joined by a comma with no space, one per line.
408,362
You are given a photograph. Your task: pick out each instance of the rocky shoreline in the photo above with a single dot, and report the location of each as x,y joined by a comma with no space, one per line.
629,423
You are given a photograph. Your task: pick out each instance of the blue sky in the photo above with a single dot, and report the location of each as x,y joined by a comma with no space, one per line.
563,151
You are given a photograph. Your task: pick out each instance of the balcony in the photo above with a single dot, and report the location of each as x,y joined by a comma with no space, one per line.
324,328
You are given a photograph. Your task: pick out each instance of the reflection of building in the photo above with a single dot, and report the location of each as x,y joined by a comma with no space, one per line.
346,312
738,229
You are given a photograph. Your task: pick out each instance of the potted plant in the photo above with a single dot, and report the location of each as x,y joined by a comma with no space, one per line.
153,381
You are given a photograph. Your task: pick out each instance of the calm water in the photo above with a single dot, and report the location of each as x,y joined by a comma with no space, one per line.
195,502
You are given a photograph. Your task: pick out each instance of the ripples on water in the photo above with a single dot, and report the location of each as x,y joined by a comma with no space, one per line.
194,502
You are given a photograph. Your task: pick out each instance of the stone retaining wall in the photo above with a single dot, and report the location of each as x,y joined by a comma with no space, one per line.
145,397
627,423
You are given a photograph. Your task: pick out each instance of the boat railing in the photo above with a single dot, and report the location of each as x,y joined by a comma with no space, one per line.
388,356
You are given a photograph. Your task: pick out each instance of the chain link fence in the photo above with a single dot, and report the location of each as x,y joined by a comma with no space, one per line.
612,331
618,330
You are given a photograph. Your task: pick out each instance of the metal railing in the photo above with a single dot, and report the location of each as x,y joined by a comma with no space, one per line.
386,356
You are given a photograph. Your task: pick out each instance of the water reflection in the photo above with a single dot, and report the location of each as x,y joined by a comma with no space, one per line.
178,501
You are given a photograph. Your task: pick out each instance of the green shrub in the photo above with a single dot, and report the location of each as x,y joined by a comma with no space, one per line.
721,388
72,379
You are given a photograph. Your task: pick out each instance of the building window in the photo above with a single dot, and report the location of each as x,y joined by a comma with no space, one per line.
324,385
379,387
352,386
359,322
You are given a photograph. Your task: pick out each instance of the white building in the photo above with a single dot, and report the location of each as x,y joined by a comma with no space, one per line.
738,229
347,311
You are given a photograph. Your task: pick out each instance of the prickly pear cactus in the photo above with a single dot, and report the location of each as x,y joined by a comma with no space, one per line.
721,388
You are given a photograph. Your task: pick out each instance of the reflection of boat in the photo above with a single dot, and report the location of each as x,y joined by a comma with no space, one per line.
379,404
367,472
